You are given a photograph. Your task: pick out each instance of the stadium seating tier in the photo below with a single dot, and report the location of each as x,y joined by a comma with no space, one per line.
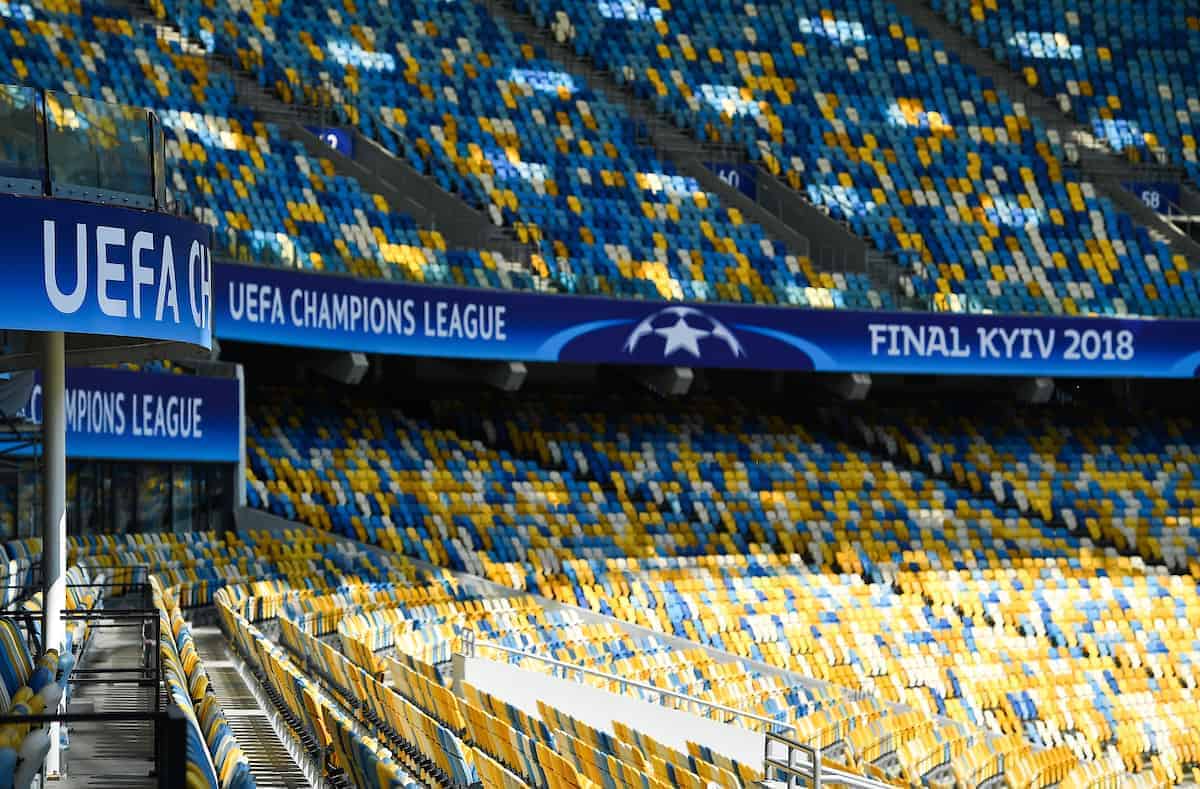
923,577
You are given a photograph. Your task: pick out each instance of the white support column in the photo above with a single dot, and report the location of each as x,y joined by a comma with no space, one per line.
239,481
54,507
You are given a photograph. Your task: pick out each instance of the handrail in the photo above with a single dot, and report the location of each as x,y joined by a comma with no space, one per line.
816,774
770,724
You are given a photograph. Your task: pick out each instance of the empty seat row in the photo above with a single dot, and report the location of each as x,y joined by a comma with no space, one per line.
214,758
488,115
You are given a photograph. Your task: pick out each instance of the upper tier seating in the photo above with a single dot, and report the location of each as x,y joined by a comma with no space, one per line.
728,526
866,115
268,200
1126,70
457,94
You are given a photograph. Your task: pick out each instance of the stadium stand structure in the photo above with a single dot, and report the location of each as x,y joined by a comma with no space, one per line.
933,165
184,573
36,678
268,199
335,654
1124,74
877,121
271,201
543,153
773,541
1126,484
954,598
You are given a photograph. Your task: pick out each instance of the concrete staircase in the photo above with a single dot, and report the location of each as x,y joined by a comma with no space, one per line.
1098,163
273,765
418,195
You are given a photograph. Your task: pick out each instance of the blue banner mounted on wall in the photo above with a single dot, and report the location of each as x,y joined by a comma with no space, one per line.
94,269
740,176
123,415
263,305
336,138
1157,195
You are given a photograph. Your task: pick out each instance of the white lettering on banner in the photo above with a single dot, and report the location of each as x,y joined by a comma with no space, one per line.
900,339
379,315
258,304
168,295
449,320
142,274
107,271
996,342
167,417
103,412
66,303
91,411
199,284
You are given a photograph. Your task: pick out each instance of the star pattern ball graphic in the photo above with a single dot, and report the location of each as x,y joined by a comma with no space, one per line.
684,330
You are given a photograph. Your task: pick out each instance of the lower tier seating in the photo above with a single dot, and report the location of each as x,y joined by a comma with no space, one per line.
214,757
1123,481
27,687
879,571
464,738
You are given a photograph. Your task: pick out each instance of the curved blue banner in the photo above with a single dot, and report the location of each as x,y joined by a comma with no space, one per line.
256,304
95,269
123,415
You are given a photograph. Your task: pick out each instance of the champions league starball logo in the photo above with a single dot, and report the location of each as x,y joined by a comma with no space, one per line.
683,330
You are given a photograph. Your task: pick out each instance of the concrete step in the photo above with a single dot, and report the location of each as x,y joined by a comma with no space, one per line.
270,760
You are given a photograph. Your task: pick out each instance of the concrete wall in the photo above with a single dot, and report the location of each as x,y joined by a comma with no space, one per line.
598,708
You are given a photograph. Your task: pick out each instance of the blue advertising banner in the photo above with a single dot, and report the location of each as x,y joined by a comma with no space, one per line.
122,415
1156,195
740,176
93,269
281,307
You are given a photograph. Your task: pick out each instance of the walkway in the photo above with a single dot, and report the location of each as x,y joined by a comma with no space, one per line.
270,761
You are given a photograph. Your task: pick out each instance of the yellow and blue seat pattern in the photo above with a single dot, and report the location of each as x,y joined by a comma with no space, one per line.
267,199
463,98
462,737
26,688
214,759
867,115
770,539
1125,71
1123,482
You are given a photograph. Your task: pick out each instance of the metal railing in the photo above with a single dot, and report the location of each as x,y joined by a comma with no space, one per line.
1188,222
757,722
801,765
